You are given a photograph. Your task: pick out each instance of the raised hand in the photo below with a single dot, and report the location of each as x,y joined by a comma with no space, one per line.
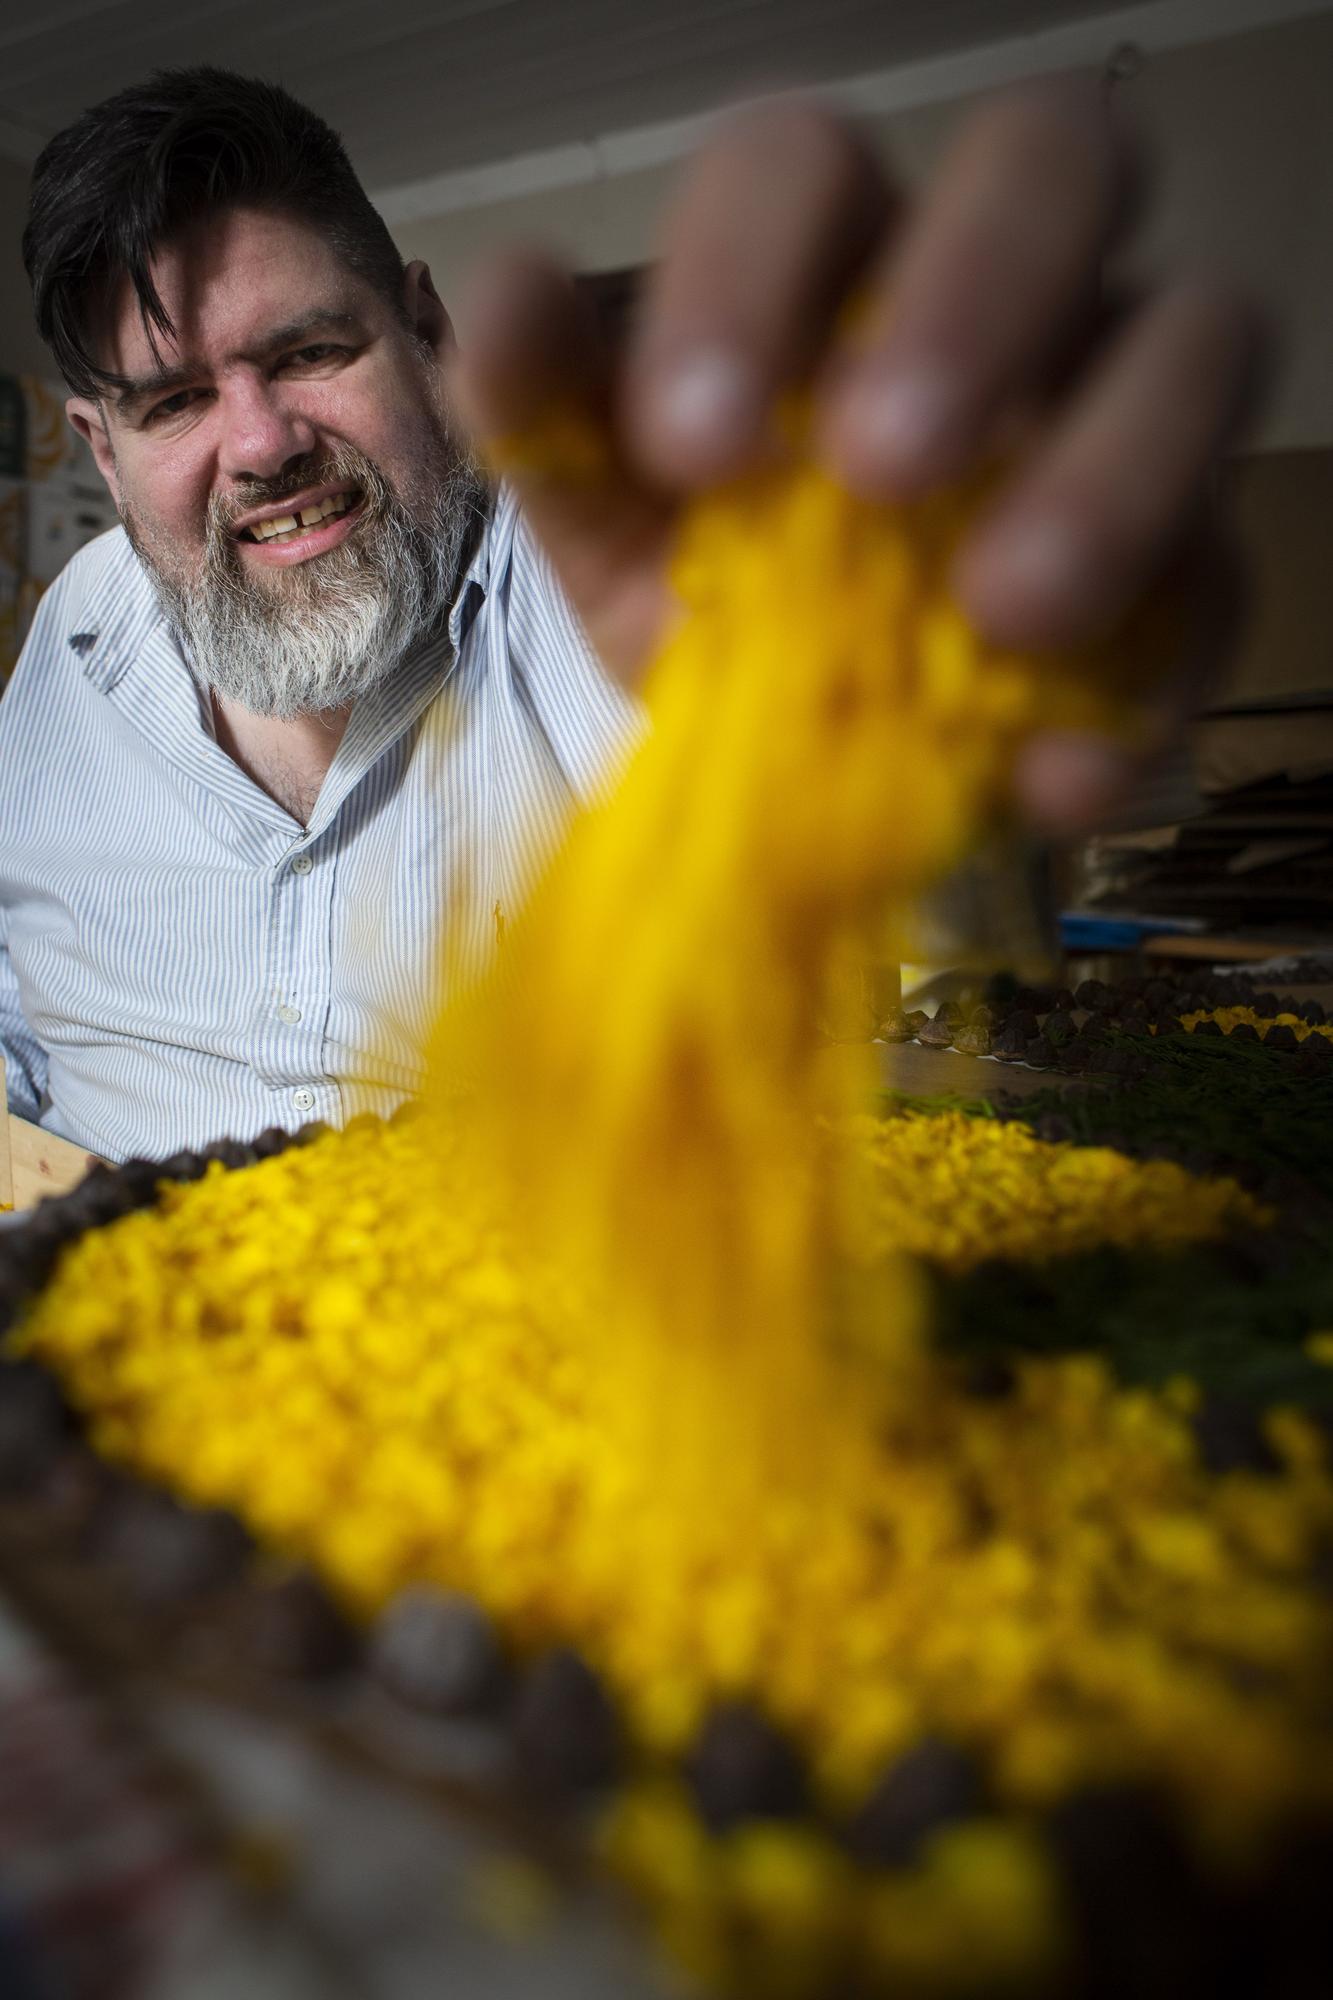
926,335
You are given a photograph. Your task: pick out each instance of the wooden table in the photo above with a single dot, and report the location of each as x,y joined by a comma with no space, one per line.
37,1163
931,1072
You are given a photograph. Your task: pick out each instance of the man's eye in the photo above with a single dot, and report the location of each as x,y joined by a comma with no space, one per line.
309,356
171,406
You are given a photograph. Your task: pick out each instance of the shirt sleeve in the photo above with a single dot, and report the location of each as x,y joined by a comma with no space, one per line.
25,1058
26,1064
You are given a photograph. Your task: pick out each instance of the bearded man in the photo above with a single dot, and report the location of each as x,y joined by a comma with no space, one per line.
324,693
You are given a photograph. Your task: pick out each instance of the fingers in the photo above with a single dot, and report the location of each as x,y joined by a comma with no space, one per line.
1002,257
1066,782
526,340
531,384
1106,498
968,312
776,221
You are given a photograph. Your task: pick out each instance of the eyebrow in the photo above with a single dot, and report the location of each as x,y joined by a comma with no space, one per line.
135,390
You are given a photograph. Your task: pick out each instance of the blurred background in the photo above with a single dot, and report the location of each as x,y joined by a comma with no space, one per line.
479,121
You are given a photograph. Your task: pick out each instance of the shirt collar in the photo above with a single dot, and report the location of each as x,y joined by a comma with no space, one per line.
117,618
471,592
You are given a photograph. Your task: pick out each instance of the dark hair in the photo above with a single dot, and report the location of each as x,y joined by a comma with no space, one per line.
110,189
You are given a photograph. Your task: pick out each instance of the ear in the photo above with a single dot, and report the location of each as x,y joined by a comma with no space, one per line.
87,419
425,309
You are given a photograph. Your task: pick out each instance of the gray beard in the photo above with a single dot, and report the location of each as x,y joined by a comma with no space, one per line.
331,629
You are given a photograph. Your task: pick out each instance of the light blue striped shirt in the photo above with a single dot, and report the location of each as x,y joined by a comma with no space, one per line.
180,960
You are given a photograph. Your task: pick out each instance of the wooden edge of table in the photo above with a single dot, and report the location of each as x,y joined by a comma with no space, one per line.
1220,950
40,1163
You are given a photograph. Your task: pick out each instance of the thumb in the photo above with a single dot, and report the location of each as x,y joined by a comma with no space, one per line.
531,380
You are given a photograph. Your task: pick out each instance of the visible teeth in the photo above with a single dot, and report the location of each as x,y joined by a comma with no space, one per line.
281,527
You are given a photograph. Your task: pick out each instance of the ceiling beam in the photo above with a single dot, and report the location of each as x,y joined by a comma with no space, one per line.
1156,25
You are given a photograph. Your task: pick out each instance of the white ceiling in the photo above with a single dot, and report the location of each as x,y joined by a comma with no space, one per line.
420,88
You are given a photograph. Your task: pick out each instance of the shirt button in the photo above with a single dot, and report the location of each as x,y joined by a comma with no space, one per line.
302,864
303,1099
291,1015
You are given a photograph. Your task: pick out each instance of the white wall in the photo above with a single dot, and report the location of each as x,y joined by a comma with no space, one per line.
1242,132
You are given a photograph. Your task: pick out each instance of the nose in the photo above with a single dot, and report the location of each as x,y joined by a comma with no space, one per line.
263,430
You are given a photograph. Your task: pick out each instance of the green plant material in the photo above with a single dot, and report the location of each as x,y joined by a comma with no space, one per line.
1233,1317
1227,1321
1210,1099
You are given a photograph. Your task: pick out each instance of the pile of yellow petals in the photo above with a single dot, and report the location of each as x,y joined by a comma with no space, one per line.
781,1912
1228,1018
961,1190
389,1386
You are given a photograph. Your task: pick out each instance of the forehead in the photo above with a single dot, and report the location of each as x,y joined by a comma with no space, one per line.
226,279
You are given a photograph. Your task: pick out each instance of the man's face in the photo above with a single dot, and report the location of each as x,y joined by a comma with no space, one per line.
283,465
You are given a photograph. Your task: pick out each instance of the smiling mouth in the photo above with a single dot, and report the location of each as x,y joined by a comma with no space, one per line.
289,527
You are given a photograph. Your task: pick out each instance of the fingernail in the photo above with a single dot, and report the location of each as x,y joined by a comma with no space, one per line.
708,396
1066,778
897,421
